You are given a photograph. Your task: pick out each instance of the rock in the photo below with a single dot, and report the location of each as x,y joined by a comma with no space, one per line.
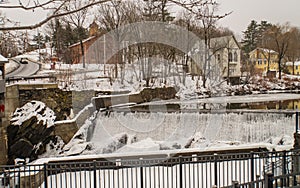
30,130
149,94
20,149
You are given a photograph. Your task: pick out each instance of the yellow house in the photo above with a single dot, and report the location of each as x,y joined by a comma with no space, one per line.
293,105
293,68
264,60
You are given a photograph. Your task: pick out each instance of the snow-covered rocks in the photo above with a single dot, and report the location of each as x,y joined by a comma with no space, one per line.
30,131
36,109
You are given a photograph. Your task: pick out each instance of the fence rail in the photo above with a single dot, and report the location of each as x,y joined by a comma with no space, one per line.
219,170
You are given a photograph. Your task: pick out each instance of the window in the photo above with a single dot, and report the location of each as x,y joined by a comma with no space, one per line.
265,61
259,62
296,67
235,57
229,57
218,58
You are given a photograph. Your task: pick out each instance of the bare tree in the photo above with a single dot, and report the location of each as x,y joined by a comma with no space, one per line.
280,40
56,9
112,16
77,20
208,18
293,54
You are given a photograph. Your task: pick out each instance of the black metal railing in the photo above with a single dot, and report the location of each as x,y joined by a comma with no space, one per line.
220,170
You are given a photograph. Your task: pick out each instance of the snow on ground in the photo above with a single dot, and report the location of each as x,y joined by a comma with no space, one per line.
93,76
33,108
36,55
164,74
53,148
122,133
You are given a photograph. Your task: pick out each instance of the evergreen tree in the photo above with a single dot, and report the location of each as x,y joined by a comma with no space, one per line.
251,36
65,35
156,10
57,37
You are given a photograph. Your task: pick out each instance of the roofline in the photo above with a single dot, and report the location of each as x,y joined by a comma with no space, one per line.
271,51
229,36
83,41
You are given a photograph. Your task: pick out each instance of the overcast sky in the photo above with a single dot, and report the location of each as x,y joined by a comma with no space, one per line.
274,11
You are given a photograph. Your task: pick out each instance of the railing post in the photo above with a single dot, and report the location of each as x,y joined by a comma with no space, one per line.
252,165
297,121
141,173
284,165
216,168
257,178
45,176
235,184
269,180
95,172
180,172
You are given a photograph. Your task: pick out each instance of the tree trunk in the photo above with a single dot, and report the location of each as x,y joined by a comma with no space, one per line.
82,53
293,67
279,68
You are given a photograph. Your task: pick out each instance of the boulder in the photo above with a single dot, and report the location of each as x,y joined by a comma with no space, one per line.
30,130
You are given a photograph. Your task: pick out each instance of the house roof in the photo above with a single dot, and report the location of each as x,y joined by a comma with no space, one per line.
3,59
223,41
83,41
265,50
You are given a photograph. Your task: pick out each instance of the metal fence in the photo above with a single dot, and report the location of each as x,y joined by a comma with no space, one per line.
186,171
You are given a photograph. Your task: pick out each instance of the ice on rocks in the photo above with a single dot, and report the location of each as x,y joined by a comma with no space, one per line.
34,108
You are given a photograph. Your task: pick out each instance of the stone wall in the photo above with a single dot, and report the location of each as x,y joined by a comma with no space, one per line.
66,130
3,138
56,99
3,148
146,95
61,102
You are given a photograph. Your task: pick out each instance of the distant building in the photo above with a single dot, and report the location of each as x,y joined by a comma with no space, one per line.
224,56
228,55
264,60
293,68
76,51
104,46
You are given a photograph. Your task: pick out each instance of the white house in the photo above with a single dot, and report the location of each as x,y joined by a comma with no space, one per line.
222,58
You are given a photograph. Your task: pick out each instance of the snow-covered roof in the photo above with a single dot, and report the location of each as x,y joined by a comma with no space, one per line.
83,41
265,50
3,59
297,63
223,41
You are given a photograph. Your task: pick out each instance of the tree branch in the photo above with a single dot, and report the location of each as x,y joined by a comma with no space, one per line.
55,14
21,6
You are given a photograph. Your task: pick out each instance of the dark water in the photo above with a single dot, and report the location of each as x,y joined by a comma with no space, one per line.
269,105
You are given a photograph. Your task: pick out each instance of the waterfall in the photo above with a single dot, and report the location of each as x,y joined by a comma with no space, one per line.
170,127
